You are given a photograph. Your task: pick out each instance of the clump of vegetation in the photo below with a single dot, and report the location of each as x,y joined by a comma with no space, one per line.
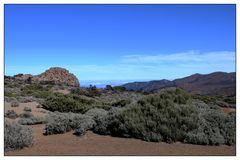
119,89
71,103
96,112
170,116
27,109
11,114
104,119
121,103
217,100
26,115
14,104
32,120
79,91
64,122
16,136
9,99
9,94
214,128
38,106
109,87
26,99
165,116
37,90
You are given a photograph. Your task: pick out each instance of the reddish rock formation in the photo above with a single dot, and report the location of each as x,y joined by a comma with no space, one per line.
58,76
54,75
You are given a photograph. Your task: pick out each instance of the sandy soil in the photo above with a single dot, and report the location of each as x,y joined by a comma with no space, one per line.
228,110
94,144
39,112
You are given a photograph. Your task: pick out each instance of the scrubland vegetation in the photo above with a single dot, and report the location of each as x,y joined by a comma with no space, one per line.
169,115
16,136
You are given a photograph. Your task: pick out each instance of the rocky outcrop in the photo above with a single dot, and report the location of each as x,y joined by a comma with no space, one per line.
57,75
23,77
54,75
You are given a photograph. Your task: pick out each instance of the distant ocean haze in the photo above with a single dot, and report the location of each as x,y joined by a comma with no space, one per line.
103,83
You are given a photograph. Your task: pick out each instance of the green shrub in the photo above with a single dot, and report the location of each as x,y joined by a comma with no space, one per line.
96,113
228,128
92,91
11,114
119,89
58,123
230,100
214,128
37,90
205,99
26,99
165,116
103,120
71,103
9,99
26,115
9,94
38,106
32,120
217,100
16,136
14,104
78,91
121,103
109,87
27,109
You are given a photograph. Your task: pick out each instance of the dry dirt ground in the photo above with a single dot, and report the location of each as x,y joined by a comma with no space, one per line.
94,144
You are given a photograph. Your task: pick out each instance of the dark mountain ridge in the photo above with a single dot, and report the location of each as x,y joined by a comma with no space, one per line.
217,83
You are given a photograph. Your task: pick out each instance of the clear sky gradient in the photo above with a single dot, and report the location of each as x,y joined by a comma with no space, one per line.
120,42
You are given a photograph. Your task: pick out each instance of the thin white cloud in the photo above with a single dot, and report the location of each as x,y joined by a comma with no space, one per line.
184,57
169,66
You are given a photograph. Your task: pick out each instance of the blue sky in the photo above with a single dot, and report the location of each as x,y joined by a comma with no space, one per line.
120,42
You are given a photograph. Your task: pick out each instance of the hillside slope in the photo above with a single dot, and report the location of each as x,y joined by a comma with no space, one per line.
217,83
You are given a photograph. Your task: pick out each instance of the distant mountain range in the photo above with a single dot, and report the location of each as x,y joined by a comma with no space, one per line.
217,83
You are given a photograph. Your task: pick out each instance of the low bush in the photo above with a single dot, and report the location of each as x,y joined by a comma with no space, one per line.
26,99
95,113
58,123
165,116
9,94
104,119
16,136
38,106
230,100
32,120
78,91
26,115
27,109
11,114
9,99
98,115
92,91
121,103
14,104
221,101
71,103
119,89
170,115
37,90
214,128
